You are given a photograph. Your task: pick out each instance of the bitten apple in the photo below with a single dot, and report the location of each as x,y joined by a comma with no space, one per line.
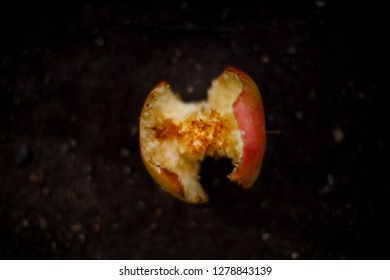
176,136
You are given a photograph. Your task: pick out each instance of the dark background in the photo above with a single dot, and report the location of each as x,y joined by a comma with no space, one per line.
73,80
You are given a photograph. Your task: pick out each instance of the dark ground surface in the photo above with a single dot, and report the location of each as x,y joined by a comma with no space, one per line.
74,77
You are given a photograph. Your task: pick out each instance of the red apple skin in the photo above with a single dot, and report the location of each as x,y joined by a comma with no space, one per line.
249,113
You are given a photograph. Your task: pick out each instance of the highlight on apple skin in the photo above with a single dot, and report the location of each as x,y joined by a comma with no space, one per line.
176,136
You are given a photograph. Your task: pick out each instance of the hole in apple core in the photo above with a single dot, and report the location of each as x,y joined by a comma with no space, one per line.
214,179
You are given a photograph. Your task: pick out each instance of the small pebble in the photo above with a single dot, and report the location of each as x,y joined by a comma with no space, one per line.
325,190
96,224
312,95
320,4
140,205
36,177
177,53
159,212
291,50
216,182
130,181
271,117
265,236
265,59
25,223
350,84
198,66
124,153
361,95
133,130
17,101
330,178
73,143
81,237
96,227
294,255
87,169
192,224
127,21
42,222
225,14
299,115
153,225
73,118
24,156
53,246
99,42
190,89
45,191
126,170
75,227
338,135
184,5
174,59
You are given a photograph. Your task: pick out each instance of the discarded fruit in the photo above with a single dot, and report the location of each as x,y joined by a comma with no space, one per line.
176,136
